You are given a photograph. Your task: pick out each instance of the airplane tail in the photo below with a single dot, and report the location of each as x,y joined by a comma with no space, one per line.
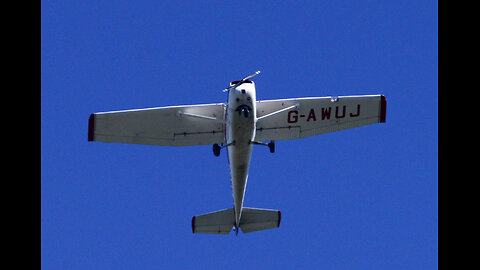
222,221
219,222
256,219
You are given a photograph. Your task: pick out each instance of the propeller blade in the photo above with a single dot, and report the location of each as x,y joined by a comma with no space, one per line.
242,81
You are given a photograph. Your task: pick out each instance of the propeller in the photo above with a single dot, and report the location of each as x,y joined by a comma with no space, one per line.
242,81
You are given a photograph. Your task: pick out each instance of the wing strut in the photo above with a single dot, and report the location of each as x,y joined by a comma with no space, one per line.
279,111
201,116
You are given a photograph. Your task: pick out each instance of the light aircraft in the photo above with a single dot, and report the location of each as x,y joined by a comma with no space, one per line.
237,125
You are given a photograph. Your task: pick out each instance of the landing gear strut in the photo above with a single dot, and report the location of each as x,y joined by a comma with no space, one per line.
271,145
216,148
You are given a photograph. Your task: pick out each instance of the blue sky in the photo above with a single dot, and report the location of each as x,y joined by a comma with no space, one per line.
364,198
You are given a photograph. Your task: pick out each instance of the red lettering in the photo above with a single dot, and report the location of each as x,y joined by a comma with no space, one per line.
336,112
292,116
311,115
326,113
358,112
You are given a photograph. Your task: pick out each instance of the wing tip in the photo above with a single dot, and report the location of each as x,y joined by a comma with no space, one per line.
279,218
91,127
383,109
193,224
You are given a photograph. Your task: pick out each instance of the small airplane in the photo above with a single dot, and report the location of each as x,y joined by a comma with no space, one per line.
237,125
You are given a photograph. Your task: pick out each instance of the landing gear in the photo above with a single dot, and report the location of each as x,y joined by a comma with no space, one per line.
271,145
216,150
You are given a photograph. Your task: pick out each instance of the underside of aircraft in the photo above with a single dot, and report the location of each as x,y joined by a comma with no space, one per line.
236,126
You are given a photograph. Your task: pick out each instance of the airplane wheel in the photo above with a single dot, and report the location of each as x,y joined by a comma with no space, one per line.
216,150
271,145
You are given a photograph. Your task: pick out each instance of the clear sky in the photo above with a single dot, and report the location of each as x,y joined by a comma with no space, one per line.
364,198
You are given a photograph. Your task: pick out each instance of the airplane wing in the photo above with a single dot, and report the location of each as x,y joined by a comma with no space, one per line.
170,126
296,118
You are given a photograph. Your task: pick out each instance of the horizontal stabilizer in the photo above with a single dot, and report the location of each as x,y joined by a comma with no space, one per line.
219,222
222,222
255,219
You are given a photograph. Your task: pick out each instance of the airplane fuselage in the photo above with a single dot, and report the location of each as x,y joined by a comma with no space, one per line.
240,132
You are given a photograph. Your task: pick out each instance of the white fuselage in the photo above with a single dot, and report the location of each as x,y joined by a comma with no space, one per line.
240,131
